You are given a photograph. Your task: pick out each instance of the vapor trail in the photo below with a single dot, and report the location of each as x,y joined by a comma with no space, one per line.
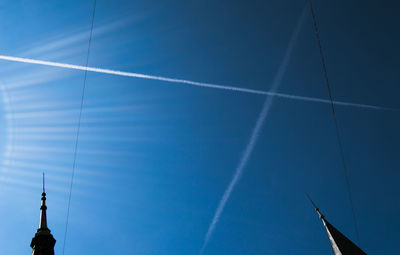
129,74
271,93
327,101
256,132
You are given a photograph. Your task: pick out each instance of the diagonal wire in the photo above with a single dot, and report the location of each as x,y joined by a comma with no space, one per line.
339,139
78,128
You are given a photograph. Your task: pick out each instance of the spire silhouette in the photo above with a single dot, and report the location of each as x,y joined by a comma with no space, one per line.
43,242
43,209
341,245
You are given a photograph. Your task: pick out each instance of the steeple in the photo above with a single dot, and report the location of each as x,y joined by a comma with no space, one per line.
43,242
341,245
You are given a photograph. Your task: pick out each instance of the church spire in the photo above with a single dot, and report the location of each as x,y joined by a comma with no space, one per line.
43,209
341,245
43,242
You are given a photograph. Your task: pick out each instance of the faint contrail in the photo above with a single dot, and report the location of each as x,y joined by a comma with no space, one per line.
188,82
327,101
256,132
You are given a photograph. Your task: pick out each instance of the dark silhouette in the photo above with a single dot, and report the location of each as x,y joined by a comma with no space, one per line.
341,245
43,242
337,239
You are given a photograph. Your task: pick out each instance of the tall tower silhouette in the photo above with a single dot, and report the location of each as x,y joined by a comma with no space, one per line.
43,242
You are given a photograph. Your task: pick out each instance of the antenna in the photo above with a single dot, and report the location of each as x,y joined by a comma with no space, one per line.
43,182
315,206
312,202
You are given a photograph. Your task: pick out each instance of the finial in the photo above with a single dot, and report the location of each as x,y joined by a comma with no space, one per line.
315,206
43,208
43,183
312,202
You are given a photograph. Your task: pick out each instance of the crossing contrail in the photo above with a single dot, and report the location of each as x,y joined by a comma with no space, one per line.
255,134
188,82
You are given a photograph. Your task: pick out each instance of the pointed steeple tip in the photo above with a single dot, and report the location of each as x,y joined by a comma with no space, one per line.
43,184
321,216
43,242
43,208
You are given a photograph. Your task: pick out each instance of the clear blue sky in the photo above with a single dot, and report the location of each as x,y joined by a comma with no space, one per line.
155,158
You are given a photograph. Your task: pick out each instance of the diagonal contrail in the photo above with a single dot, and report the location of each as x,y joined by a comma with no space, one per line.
327,101
271,93
129,74
256,132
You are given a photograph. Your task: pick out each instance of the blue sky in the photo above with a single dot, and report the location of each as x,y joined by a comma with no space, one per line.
155,158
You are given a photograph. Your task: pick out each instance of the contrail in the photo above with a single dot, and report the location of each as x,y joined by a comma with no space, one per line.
129,74
327,101
271,93
256,132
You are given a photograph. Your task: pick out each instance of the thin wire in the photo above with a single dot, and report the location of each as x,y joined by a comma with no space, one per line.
339,140
79,128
